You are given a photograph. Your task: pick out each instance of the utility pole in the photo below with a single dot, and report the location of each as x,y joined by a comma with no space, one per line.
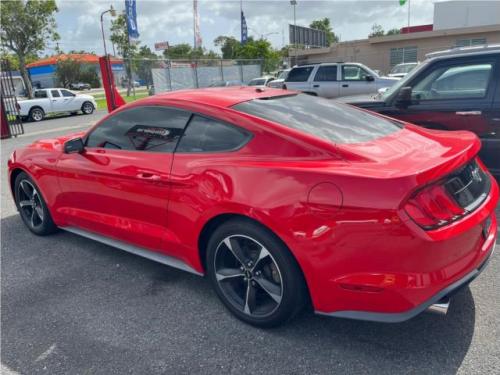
294,4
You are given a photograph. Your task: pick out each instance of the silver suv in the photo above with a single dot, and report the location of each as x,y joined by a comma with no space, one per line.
332,80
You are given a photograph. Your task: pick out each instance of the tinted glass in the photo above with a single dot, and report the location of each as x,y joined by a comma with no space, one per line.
257,82
55,93
155,129
299,74
41,94
326,73
67,93
454,82
353,73
207,135
326,119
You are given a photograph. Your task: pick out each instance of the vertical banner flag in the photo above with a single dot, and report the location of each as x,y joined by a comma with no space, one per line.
197,35
244,30
131,13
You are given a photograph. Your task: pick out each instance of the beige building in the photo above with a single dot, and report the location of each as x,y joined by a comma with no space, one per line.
382,53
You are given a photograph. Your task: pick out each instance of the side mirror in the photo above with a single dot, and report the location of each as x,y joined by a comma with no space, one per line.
369,78
74,146
404,96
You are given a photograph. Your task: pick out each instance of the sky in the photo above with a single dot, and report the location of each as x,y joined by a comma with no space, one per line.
172,20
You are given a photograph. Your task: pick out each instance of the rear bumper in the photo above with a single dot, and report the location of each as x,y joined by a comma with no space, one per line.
403,316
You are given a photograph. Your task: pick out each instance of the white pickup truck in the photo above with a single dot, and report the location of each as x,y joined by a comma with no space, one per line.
49,101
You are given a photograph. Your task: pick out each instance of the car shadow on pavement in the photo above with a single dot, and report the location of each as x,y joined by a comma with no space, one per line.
72,305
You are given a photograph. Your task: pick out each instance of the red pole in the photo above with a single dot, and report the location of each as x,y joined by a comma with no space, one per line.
5,130
113,97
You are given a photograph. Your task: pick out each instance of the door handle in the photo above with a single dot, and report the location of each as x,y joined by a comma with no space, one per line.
315,85
345,85
148,176
468,113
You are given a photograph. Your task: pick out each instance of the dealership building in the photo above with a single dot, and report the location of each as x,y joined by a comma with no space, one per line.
43,75
456,24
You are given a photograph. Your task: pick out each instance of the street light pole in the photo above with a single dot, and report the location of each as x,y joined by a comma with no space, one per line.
294,4
113,14
106,59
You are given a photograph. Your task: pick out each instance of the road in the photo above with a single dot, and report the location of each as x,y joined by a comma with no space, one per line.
73,306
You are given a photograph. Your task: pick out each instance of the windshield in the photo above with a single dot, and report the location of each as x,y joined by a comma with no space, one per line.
403,81
403,68
283,74
257,82
323,118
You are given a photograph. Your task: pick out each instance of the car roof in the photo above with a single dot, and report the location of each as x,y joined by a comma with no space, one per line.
218,96
459,51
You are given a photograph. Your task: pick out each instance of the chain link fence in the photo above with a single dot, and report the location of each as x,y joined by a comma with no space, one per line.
160,75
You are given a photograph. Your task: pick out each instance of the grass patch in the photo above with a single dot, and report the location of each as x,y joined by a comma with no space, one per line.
101,100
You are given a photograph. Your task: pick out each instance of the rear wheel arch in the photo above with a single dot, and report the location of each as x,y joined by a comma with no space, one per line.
216,221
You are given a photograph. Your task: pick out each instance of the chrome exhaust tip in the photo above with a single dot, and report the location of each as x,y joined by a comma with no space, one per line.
440,307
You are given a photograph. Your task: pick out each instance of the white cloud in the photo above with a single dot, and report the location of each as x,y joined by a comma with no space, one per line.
172,20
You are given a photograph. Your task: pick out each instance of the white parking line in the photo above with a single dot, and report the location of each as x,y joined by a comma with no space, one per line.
57,129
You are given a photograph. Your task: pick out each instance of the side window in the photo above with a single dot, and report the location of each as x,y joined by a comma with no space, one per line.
155,129
55,93
67,93
40,94
299,74
326,73
469,80
353,73
206,135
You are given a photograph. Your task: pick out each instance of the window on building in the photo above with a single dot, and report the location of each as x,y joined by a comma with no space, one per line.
471,42
403,55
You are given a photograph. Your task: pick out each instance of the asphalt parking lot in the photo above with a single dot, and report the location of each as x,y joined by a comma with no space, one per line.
73,306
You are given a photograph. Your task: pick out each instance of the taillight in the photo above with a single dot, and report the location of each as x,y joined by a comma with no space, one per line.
433,207
450,198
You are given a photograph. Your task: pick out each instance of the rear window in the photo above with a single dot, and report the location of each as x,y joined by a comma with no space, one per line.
326,119
299,74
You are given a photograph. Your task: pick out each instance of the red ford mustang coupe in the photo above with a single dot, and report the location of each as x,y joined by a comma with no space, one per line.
282,199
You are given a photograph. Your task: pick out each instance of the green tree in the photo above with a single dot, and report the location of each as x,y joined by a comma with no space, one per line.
119,36
179,51
394,31
324,25
68,71
228,46
377,30
145,62
26,28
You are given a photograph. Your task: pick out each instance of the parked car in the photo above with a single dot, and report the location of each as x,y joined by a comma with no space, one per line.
50,101
227,83
457,89
282,200
80,86
400,70
332,80
280,79
261,81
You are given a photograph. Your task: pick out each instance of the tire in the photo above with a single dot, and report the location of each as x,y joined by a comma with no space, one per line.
32,206
36,114
87,108
265,287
